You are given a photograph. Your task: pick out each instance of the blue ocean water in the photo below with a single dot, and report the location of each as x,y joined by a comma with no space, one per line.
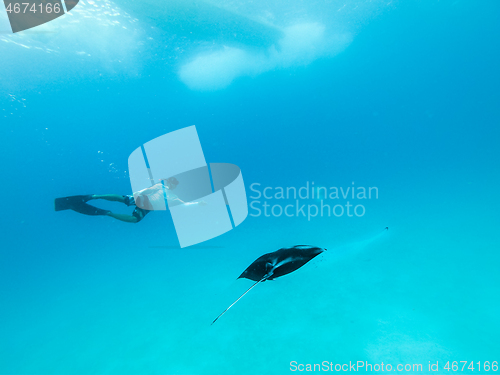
401,96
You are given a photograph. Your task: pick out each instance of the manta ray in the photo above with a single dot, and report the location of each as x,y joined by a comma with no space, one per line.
276,264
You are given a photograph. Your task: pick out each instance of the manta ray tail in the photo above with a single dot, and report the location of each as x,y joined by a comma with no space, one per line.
249,289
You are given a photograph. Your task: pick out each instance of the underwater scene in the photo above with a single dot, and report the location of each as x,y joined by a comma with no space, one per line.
250,187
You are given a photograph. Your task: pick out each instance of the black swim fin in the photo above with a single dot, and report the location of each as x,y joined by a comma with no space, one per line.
78,203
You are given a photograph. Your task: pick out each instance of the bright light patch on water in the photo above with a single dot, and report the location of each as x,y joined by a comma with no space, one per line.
99,33
209,44
305,32
300,45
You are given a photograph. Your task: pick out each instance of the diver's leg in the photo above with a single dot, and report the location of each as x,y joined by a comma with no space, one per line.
111,197
136,216
123,217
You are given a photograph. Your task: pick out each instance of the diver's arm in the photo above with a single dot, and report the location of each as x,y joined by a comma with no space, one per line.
201,203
